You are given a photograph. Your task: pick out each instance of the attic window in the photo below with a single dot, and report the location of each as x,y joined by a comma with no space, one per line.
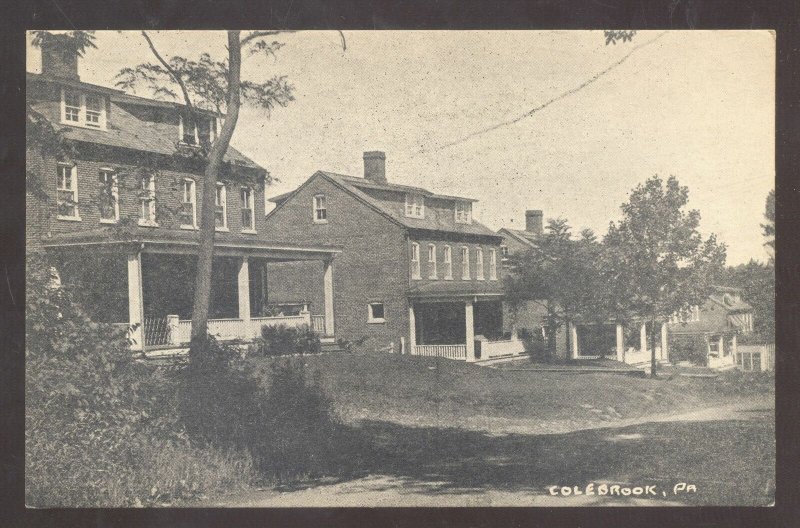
415,206
463,212
203,131
80,109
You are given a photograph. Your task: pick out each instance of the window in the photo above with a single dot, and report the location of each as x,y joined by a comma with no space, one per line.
432,261
147,200
689,315
248,218
88,110
109,197
465,263
320,210
376,312
221,209
67,192
415,205
448,263
191,132
504,252
415,273
463,212
188,214
479,263
492,264
187,131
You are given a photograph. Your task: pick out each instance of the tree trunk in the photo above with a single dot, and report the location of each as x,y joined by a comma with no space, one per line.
653,373
205,256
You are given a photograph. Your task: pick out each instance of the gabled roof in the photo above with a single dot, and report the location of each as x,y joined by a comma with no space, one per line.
124,130
356,187
730,303
525,237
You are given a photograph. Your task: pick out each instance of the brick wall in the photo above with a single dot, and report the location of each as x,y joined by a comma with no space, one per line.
373,265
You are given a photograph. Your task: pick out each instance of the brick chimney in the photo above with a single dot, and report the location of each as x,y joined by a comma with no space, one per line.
59,59
533,221
375,166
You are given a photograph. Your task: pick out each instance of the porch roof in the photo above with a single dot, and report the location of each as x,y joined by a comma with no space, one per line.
187,241
456,290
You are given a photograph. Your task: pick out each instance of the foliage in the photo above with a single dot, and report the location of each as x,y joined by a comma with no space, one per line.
757,282
768,229
70,42
100,430
534,345
281,340
688,348
658,260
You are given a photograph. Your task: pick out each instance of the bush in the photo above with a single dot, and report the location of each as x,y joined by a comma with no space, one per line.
281,340
534,345
688,348
100,427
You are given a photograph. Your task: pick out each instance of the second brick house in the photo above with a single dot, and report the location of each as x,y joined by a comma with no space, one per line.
416,272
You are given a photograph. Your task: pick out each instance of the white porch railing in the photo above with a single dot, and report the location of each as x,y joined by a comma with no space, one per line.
318,324
508,347
229,329
445,351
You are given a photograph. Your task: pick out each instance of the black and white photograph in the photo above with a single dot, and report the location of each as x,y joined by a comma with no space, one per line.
399,268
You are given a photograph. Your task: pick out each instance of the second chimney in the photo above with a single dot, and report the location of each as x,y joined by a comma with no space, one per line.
59,58
375,166
533,221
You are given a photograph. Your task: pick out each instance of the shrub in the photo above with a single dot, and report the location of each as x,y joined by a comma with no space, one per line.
534,345
281,340
688,348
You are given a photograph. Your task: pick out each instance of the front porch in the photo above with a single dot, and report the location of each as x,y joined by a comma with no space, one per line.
626,343
148,288
462,329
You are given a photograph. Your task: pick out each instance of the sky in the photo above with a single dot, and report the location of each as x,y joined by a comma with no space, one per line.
698,105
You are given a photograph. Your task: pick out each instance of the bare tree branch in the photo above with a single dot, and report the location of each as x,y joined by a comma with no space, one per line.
259,34
171,71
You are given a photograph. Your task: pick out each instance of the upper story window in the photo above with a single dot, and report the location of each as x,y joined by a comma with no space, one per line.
464,212
109,196
376,312
248,218
147,201
221,208
67,192
465,263
690,315
415,205
188,213
492,264
197,131
448,263
479,263
81,109
504,252
415,271
320,210
432,274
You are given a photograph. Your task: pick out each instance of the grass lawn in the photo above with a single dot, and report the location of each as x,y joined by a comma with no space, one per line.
439,392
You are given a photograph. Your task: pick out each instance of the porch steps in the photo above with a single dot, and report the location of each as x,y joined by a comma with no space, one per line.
330,346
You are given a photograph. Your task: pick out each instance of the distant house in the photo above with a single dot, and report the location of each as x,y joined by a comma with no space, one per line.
417,273
125,194
718,321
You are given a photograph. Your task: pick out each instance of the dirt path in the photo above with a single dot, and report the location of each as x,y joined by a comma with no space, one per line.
524,473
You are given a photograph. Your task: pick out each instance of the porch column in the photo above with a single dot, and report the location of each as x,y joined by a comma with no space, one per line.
664,342
735,348
135,301
469,320
328,287
720,346
243,280
643,338
573,341
620,343
412,326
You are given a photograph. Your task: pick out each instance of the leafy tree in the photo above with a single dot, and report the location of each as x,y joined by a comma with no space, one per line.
768,229
757,282
563,275
658,259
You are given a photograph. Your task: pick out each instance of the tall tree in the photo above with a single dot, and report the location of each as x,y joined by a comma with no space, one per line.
657,256
768,229
215,85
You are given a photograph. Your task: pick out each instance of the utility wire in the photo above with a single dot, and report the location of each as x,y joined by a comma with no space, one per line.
545,104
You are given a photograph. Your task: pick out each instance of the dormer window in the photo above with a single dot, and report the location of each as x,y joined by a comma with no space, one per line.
463,212
415,206
191,132
80,109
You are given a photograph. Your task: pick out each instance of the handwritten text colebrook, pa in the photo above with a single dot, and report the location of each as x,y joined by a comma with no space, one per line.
619,490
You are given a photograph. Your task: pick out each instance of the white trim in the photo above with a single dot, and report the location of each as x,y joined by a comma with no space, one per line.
415,265
479,263
448,263
73,172
193,201
376,320
148,219
114,193
318,205
492,264
462,212
82,109
250,201
465,271
432,269
221,200
415,205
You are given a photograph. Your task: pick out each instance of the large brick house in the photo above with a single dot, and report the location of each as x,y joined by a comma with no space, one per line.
417,273
118,208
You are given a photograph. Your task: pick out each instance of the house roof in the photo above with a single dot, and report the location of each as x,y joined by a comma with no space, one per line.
729,302
525,237
183,238
357,186
124,130
456,289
